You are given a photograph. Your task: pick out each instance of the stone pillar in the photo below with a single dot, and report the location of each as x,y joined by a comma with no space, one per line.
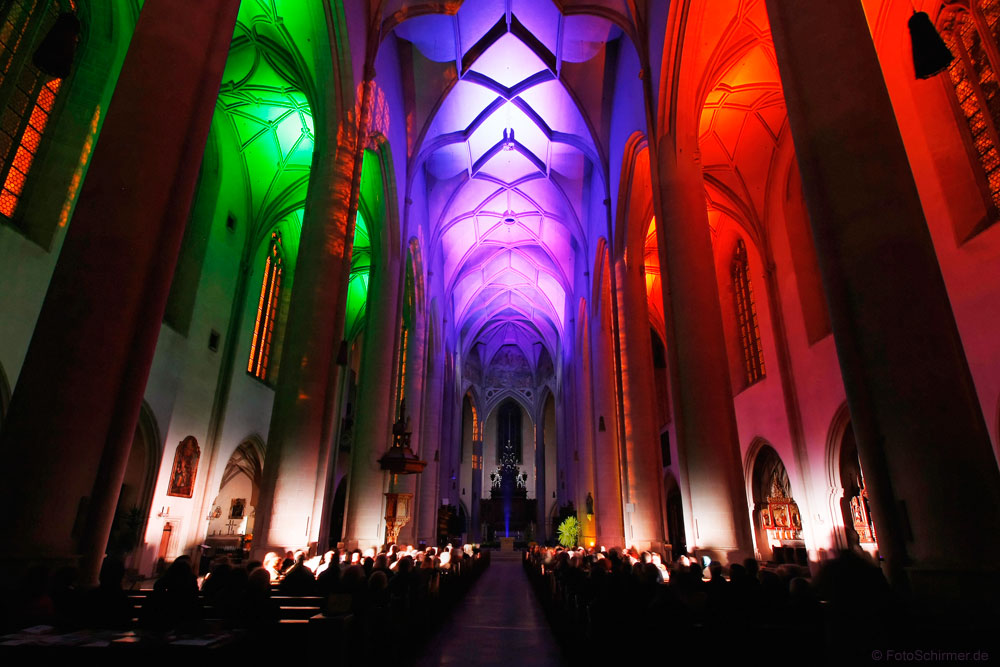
584,455
565,446
428,497
416,352
540,500
76,403
920,430
375,413
708,441
450,470
451,442
644,468
298,444
608,504
477,489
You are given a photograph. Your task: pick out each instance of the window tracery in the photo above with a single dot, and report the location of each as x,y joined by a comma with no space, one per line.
267,311
27,94
971,29
746,315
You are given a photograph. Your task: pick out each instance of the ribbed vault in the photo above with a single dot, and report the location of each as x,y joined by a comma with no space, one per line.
507,148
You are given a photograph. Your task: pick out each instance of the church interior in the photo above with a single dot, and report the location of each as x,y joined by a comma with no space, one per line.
700,279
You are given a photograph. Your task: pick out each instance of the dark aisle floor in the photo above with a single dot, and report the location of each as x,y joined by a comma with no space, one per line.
498,623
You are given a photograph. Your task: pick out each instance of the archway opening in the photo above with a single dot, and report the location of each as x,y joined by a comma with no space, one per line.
136,494
508,507
675,517
776,519
859,528
337,513
231,519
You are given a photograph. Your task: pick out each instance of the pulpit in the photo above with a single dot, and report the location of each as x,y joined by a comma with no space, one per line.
399,460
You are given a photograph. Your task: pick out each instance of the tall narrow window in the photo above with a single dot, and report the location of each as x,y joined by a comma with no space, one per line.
267,311
28,95
404,338
970,28
746,315
401,375
509,430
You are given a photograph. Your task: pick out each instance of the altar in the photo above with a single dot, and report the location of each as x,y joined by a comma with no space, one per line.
508,512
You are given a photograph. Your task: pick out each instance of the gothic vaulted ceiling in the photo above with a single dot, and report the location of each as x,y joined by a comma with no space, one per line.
504,132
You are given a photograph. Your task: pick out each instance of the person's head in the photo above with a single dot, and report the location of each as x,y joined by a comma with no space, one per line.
272,560
180,567
377,582
259,581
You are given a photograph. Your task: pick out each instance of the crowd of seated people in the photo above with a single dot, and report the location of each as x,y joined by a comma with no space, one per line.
401,591
621,602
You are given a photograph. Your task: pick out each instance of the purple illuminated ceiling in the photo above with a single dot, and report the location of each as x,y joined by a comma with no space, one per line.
509,160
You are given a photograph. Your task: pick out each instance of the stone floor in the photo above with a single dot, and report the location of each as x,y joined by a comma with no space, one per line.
499,622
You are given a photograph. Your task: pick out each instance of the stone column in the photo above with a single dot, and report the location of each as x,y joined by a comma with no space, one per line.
584,455
416,352
298,444
920,430
375,414
428,497
76,403
477,490
641,430
565,446
708,441
540,489
608,504
451,441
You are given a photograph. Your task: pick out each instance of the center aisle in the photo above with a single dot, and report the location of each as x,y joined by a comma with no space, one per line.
499,622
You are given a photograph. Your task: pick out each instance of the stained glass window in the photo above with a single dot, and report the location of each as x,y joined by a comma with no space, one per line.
267,311
29,94
746,315
401,376
971,29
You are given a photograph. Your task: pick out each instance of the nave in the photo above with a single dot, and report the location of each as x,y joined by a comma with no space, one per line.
500,621
708,279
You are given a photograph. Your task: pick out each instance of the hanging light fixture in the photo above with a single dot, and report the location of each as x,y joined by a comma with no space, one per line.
930,54
55,54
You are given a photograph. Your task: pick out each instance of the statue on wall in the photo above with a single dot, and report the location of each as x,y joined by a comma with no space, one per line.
185,468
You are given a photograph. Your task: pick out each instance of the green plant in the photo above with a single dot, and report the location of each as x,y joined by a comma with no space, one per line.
569,532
